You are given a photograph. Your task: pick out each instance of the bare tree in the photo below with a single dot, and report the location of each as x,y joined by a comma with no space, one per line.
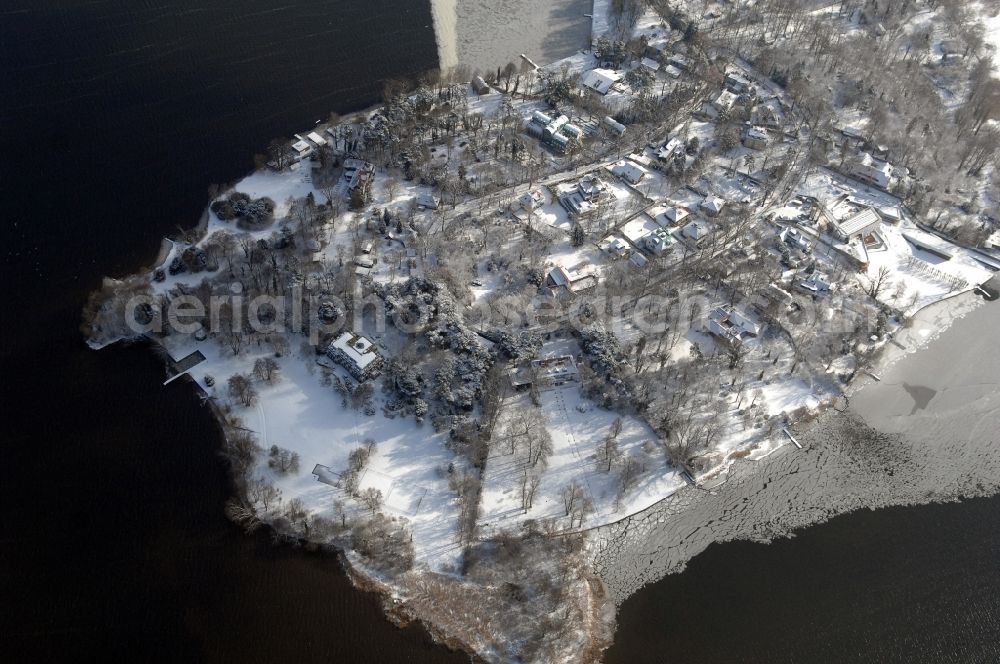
372,499
530,482
241,388
265,369
263,493
582,510
572,494
879,282
391,187
283,460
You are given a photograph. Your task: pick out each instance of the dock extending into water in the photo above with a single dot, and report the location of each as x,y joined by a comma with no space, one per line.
177,368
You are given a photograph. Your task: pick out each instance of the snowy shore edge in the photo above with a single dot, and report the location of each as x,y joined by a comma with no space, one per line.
867,456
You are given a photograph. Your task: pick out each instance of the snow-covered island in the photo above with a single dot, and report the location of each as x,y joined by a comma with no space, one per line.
453,334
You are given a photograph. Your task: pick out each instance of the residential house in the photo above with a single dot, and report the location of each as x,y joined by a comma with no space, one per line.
358,174
658,242
480,86
629,171
546,372
679,61
738,83
531,200
764,115
428,201
672,216
600,80
665,155
316,139
618,247
301,148
582,199
858,225
815,284
672,71
555,132
794,238
754,137
731,325
872,171
561,281
723,102
696,230
357,354
711,206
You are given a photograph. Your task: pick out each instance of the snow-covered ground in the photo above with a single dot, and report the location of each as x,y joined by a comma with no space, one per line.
577,427
299,413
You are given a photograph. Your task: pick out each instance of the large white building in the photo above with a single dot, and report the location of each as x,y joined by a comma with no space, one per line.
859,224
357,354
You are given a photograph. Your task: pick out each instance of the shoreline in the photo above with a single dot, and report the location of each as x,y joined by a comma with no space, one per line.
704,518
846,464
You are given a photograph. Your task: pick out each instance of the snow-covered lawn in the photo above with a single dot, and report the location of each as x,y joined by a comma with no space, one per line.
298,413
576,427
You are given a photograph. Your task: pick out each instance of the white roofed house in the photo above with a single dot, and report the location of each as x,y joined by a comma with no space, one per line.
582,199
754,137
672,216
872,171
563,281
794,238
815,284
679,61
428,201
665,155
600,80
357,354
618,247
737,82
731,325
480,86
629,171
301,148
711,206
531,200
555,132
860,224
537,124
316,139
591,187
696,230
658,242
722,103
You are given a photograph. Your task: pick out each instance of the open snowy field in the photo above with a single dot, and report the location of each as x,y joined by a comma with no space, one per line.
297,412
577,428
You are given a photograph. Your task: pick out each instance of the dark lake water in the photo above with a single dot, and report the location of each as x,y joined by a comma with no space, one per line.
115,116
908,584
